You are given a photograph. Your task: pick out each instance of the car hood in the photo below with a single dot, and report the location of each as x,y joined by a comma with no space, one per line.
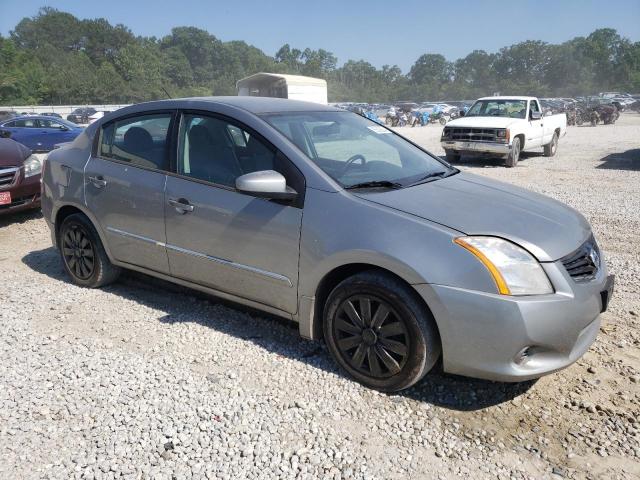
476,205
12,153
482,122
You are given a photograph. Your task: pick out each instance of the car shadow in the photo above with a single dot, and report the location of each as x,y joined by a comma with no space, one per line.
629,160
20,217
278,335
483,161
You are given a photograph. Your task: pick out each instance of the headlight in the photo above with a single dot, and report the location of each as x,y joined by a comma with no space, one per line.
514,270
32,166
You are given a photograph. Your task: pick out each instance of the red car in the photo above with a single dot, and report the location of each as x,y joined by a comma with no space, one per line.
19,177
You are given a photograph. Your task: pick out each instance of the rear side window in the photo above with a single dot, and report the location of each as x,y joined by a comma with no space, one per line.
140,141
27,122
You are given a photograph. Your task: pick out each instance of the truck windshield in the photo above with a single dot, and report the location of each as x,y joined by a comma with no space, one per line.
498,108
357,152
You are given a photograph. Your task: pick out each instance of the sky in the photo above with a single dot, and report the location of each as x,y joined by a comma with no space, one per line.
378,31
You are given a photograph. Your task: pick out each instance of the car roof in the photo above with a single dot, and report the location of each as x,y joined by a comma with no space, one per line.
29,117
509,97
255,105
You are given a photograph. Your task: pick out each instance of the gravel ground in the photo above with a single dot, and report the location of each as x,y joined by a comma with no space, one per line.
146,380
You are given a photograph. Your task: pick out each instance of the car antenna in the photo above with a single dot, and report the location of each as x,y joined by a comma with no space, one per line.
166,93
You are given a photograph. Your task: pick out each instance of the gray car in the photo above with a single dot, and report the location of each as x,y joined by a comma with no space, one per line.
386,252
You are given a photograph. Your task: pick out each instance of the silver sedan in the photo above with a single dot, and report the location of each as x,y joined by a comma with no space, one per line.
391,255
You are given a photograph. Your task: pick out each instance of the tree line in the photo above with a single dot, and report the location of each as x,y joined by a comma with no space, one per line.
56,58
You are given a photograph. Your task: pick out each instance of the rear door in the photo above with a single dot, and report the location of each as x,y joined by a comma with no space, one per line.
24,130
224,239
124,187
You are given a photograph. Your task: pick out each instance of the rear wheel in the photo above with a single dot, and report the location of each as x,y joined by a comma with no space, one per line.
379,332
452,156
552,147
83,255
514,154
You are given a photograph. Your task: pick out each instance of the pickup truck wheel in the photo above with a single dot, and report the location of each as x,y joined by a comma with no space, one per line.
552,147
83,255
514,154
452,156
379,332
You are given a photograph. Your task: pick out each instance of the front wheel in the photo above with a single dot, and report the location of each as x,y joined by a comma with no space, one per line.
514,154
443,121
452,156
83,255
552,147
379,332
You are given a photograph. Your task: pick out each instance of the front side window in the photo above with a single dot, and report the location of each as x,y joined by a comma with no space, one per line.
498,108
354,150
56,124
216,151
140,141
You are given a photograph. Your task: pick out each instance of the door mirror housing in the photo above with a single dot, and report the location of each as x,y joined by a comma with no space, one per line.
536,115
265,184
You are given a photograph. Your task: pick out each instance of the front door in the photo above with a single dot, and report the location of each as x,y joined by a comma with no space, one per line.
124,188
53,132
534,137
223,239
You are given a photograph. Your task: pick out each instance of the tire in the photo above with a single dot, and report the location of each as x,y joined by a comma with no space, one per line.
443,121
551,149
579,120
452,156
398,350
83,254
514,154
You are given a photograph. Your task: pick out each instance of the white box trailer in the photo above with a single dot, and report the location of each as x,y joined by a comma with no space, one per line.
294,87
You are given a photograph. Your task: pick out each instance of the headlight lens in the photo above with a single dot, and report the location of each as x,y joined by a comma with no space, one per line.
514,270
501,133
32,166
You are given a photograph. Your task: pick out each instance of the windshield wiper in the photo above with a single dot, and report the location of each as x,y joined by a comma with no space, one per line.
375,184
434,175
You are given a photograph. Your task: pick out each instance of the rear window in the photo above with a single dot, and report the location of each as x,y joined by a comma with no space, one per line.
140,140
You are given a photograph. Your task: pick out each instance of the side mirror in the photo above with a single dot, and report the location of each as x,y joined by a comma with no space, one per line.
536,115
462,113
265,184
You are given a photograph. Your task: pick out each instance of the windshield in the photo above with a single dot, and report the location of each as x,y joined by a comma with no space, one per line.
498,108
354,150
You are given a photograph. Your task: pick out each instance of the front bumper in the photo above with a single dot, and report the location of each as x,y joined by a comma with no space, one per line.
483,335
493,148
25,194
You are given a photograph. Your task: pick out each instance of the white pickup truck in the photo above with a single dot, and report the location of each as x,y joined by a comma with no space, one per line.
503,126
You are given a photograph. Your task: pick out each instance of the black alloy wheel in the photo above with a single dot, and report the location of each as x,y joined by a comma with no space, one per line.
83,255
371,336
78,252
379,331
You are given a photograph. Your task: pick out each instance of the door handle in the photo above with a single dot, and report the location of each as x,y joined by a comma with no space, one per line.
181,205
98,181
